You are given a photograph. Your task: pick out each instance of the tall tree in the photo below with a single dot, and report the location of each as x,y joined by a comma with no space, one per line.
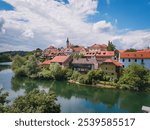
135,77
111,46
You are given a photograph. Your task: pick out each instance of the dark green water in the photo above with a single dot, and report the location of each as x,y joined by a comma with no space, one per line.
75,98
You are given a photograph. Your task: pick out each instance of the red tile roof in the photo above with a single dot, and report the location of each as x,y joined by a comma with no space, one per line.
114,62
77,49
60,59
101,53
46,62
98,46
142,54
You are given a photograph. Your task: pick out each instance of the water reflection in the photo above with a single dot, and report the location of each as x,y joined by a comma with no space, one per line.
75,98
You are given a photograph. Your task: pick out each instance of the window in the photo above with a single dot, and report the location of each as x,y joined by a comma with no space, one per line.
135,60
122,60
129,60
112,73
142,61
106,68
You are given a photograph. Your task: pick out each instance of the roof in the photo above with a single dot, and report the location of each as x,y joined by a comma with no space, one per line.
101,53
142,54
60,59
115,62
84,61
46,62
98,46
77,49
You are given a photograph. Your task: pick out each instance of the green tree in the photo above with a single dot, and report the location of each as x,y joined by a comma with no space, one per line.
131,50
18,65
75,75
135,77
111,46
56,71
32,67
36,101
3,100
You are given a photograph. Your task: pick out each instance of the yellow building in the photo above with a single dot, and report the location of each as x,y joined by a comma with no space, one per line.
112,68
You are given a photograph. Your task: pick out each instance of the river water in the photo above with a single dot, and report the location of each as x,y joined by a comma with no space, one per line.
75,98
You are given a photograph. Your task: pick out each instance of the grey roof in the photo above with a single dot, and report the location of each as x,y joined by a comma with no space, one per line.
84,61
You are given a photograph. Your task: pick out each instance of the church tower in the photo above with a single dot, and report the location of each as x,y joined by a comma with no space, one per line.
68,43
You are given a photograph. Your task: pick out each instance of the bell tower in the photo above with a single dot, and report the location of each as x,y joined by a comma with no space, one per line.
68,43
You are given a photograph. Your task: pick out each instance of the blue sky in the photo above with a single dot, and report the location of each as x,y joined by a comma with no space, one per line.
5,6
130,14
125,22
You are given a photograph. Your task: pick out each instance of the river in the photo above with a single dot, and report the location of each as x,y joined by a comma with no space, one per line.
75,98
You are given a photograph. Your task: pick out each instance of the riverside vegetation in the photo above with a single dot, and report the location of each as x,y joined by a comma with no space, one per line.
135,77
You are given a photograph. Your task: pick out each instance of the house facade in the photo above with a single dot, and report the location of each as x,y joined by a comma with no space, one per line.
112,68
84,64
141,57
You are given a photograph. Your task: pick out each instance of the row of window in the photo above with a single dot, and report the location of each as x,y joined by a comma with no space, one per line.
129,60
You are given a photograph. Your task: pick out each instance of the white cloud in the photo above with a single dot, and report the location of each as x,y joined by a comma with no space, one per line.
103,26
133,39
108,2
2,30
38,23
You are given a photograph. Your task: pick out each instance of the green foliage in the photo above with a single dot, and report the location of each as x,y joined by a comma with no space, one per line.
92,77
3,96
31,67
111,46
3,100
36,101
45,73
136,77
18,65
5,58
56,71
76,55
75,76
131,50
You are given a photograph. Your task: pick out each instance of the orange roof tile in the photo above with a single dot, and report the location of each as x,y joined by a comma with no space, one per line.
117,63
46,62
77,49
145,54
59,59
98,46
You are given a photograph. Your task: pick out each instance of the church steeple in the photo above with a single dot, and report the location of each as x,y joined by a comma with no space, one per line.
68,43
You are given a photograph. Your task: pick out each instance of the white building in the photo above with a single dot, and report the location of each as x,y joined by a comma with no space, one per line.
141,57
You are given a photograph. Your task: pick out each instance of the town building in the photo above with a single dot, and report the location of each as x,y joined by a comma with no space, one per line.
98,48
100,56
64,61
84,64
112,68
141,57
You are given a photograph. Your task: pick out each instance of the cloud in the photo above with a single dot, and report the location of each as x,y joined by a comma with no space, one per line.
39,23
133,39
108,2
1,24
103,26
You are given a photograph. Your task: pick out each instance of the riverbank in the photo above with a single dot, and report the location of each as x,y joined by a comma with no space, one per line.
98,85
104,84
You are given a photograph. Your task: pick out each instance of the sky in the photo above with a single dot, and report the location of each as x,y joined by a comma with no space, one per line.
31,24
